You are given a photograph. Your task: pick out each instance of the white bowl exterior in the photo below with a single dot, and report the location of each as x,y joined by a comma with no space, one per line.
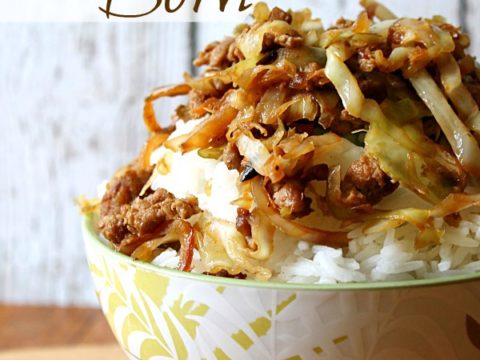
160,317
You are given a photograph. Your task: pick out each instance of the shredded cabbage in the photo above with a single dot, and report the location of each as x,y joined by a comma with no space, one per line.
463,143
412,159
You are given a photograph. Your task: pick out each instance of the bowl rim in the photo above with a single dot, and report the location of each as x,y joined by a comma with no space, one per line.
92,238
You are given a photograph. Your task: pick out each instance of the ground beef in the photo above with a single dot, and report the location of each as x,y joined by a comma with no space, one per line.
243,222
231,157
342,23
311,77
216,54
374,87
291,196
290,40
144,216
365,183
182,112
316,173
195,99
345,123
123,189
279,14
235,54
125,216
366,59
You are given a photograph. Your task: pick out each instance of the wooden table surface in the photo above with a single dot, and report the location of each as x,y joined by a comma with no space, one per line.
55,333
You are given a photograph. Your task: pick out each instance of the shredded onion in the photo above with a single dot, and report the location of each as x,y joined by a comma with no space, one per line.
234,246
179,230
262,236
212,128
149,112
289,227
155,141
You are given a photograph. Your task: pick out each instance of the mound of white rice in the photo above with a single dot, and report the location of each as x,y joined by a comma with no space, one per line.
389,255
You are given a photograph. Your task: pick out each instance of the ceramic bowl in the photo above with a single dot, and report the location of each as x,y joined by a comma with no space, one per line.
158,313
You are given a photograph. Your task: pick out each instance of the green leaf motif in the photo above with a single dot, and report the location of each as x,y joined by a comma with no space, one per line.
261,326
284,304
220,355
108,275
137,310
157,333
118,285
130,325
183,311
152,348
114,302
181,350
340,339
153,285
242,339
95,270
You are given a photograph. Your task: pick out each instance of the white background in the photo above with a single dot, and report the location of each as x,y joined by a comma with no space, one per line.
71,98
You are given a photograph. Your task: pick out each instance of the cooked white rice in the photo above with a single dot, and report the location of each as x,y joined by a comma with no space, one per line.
388,255
382,256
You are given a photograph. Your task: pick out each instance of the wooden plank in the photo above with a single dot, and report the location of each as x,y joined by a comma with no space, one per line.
71,99
25,327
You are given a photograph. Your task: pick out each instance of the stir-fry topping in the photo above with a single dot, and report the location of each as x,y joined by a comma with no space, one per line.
319,123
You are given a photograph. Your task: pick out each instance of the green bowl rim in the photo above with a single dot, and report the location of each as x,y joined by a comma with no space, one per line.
91,237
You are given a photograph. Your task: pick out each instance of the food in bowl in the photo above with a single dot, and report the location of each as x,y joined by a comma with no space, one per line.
307,155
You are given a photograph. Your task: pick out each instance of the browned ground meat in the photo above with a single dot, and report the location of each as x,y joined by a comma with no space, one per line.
342,23
289,41
147,216
243,222
219,54
144,216
366,60
123,189
365,183
316,173
279,14
312,76
182,112
291,196
345,123
374,87
195,99
231,157
125,215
